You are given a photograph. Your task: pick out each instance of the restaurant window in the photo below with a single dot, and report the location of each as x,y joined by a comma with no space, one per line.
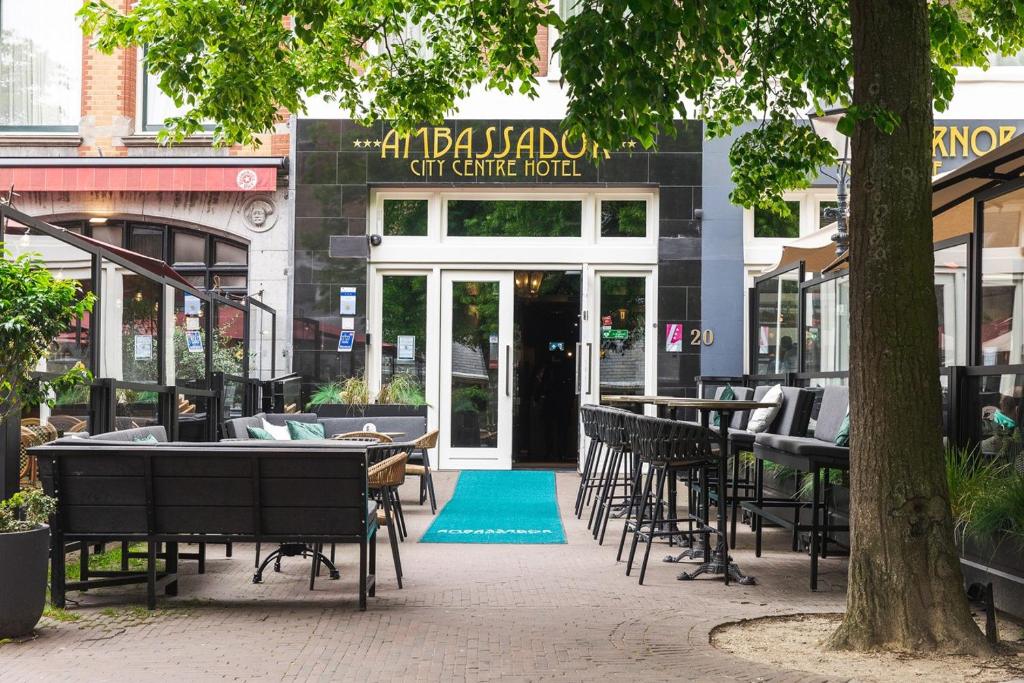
405,217
775,225
514,218
404,337
1002,280
623,218
40,65
157,106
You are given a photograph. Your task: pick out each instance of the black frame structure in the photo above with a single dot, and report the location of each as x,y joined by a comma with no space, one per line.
103,405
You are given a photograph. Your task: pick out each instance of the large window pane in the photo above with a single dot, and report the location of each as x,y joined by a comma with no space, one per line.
40,64
189,248
770,224
404,331
777,300
514,218
475,307
158,106
623,335
624,218
147,241
226,253
405,217
1002,298
951,300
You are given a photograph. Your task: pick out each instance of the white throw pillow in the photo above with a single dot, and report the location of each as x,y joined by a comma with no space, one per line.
369,427
279,432
762,418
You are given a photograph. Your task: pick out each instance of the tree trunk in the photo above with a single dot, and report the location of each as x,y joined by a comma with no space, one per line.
905,586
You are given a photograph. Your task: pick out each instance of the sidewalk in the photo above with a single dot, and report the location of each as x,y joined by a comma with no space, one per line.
467,613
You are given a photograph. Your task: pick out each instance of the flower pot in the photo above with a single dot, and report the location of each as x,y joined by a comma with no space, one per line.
23,559
369,410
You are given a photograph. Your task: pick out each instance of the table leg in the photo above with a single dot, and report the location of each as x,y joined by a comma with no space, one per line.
815,486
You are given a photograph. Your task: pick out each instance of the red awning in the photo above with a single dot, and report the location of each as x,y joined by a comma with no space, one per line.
255,174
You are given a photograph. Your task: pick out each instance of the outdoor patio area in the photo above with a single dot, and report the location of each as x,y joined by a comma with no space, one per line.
467,612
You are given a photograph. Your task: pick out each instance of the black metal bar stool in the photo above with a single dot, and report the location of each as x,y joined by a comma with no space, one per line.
616,492
667,447
589,482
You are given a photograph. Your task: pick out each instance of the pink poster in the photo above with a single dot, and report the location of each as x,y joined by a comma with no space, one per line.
673,337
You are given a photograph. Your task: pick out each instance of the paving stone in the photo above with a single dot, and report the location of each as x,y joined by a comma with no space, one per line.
467,613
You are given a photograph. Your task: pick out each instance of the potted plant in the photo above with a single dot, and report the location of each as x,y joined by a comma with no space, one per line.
24,551
986,495
350,397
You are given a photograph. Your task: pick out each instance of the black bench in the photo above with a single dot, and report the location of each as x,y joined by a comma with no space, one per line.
201,493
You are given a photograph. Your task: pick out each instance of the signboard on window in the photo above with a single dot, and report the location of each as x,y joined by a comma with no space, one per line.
406,347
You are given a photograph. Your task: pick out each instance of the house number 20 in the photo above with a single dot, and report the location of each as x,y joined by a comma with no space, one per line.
699,337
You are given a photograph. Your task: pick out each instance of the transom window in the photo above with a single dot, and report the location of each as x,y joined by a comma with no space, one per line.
514,218
206,261
40,65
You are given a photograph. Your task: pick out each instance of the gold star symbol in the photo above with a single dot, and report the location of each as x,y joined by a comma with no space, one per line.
358,143
631,144
367,143
376,143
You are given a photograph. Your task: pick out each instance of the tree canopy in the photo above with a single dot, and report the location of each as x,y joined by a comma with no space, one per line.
630,67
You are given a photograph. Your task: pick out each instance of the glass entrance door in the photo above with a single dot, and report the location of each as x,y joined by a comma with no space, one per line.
476,361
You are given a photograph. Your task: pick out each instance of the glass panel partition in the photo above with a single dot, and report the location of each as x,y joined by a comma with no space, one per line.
130,313
951,300
261,342
827,326
996,415
778,300
190,315
229,339
1002,297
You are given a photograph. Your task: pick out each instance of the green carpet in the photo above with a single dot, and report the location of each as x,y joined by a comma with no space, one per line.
500,507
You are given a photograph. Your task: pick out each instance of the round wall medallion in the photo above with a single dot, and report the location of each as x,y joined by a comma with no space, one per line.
260,214
246,179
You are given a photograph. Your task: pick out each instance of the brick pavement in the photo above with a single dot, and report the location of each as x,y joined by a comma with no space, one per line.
467,613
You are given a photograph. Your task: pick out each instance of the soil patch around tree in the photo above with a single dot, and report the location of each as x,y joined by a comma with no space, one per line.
797,642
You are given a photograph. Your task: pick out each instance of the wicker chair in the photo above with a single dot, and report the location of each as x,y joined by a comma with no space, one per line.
384,479
80,427
66,423
33,435
419,466
30,422
371,437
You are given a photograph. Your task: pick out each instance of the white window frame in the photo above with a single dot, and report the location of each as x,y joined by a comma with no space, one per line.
142,96
589,247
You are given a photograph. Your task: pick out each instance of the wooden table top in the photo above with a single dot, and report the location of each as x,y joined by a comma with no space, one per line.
682,402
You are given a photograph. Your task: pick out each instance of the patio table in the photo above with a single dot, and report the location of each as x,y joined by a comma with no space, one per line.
719,561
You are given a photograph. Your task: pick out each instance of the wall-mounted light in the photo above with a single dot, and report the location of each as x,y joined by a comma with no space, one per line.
98,220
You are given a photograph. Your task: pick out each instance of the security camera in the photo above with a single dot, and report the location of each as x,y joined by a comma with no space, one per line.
375,240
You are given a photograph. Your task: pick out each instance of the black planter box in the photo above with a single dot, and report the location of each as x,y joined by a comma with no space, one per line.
369,410
998,563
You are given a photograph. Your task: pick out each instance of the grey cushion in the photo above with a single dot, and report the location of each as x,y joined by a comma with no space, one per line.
802,445
794,414
129,435
237,428
741,439
835,402
740,419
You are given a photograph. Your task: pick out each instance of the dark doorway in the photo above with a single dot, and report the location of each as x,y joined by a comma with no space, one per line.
547,330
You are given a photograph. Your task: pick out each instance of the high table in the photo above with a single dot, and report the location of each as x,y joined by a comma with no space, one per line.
719,561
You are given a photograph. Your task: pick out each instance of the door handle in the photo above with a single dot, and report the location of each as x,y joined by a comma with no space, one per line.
590,365
579,367
508,369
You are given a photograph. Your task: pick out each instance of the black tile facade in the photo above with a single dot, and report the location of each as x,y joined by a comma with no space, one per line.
339,162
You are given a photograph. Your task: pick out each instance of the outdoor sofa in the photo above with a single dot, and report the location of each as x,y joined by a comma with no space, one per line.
410,428
168,493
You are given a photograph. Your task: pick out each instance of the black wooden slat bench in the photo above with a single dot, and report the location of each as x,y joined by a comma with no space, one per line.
170,494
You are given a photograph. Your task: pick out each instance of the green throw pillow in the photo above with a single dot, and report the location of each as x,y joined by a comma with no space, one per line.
727,395
259,433
843,435
146,438
304,431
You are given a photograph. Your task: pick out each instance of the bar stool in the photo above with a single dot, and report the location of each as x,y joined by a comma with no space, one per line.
589,482
617,474
667,447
